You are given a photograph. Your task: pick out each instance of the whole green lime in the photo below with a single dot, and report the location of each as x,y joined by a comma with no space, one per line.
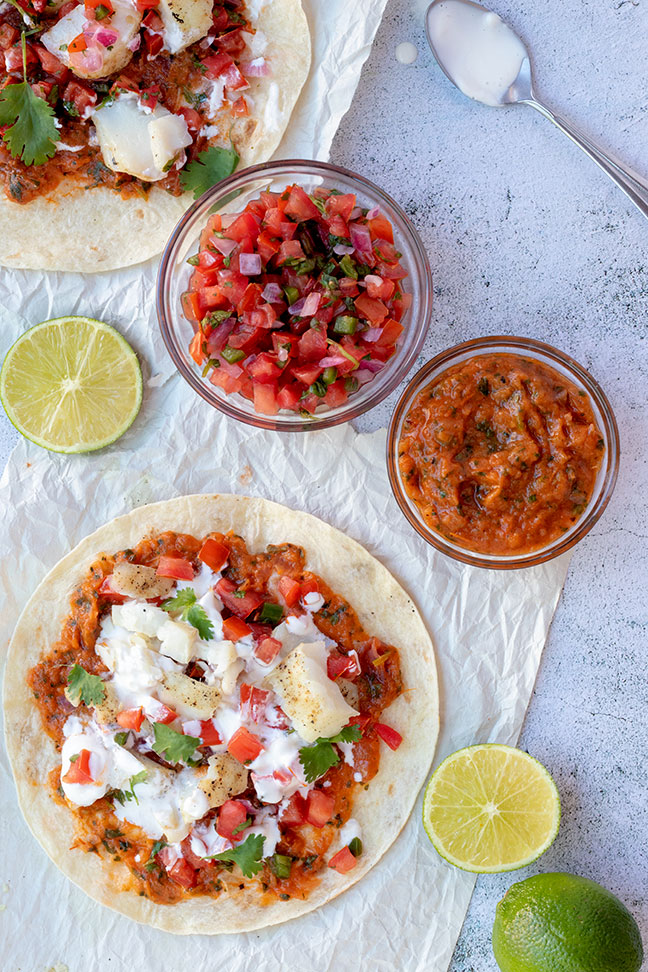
563,923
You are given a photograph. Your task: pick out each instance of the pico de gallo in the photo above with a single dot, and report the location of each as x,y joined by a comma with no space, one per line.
124,93
297,301
216,711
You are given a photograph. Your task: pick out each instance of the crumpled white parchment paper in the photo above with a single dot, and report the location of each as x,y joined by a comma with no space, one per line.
489,627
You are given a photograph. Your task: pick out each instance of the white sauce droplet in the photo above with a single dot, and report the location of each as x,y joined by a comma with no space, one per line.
477,49
406,53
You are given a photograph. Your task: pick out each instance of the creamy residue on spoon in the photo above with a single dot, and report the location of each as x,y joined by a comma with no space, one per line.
479,52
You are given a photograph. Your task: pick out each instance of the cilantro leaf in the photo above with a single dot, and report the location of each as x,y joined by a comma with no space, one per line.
155,850
32,133
318,758
85,687
197,616
134,780
174,746
247,855
185,603
212,165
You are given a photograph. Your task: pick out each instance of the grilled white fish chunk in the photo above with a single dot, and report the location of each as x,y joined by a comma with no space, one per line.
185,22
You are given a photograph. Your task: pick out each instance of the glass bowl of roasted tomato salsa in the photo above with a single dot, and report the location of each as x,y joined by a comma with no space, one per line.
503,452
294,295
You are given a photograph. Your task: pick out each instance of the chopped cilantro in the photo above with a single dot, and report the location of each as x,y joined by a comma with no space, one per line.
174,746
212,165
247,855
155,850
318,758
185,603
85,687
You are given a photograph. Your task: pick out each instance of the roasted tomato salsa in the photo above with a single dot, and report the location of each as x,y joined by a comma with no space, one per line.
216,711
500,454
124,93
297,301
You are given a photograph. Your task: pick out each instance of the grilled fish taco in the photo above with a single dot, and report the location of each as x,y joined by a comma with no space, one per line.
116,112
219,713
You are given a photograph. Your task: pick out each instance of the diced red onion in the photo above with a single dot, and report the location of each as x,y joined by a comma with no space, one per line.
233,370
228,218
363,375
107,37
371,365
258,68
332,361
223,246
373,212
207,41
342,250
297,307
90,60
355,212
272,293
372,278
218,337
372,334
311,305
250,264
135,43
360,238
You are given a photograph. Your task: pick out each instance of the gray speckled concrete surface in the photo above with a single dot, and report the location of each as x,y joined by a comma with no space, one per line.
526,236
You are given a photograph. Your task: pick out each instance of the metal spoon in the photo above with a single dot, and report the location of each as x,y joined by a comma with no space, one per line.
521,92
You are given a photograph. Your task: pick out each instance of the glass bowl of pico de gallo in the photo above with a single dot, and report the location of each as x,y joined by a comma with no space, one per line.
294,295
503,452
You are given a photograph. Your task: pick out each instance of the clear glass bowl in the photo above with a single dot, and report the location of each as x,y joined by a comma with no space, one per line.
566,366
230,196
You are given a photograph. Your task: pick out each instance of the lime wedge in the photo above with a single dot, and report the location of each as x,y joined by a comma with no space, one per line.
72,384
491,808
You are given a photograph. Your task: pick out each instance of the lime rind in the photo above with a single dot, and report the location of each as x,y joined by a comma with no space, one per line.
19,375
498,867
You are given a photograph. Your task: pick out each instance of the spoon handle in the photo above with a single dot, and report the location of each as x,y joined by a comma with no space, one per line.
634,186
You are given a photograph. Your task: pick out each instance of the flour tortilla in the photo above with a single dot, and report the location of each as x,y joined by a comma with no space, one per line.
383,608
87,231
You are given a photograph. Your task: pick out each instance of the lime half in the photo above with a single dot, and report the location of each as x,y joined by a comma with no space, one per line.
72,384
491,808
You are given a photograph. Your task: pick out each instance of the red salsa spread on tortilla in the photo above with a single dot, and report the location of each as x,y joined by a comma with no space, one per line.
80,58
268,602
296,301
500,454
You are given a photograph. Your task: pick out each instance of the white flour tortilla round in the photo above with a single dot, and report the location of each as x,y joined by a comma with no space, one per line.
384,609
89,230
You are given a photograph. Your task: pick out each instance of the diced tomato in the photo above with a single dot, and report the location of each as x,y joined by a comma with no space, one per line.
239,602
380,227
183,873
289,590
278,719
164,714
79,96
209,734
299,206
338,227
342,205
391,332
294,813
250,299
268,650
67,8
267,246
176,567
150,96
319,808
14,59
131,718
264,368
336,394
253,702
388,735
290,250
124,83
107,592
361,722
192,308
92,5
143,5
196,348
343,666
378,288
307,374
372,310
309,587
265,399
289,397
234,629
313,345
214,553
246,226
240,108
193,119
244,745
77,44
8,36
79,771
233,42
343,861
231,816
222,66
153,44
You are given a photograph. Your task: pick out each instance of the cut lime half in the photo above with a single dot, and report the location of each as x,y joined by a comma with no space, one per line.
491,808
71,384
